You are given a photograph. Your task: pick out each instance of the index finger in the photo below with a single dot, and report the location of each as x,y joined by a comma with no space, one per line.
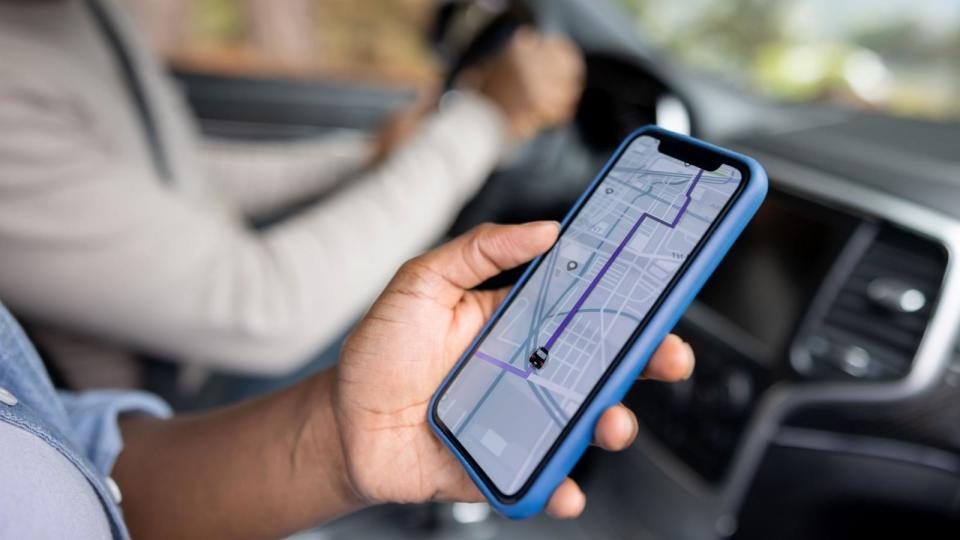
474,257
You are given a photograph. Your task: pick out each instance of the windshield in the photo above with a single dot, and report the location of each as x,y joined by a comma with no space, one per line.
901,57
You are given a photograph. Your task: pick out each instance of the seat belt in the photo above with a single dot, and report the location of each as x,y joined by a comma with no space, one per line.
134,87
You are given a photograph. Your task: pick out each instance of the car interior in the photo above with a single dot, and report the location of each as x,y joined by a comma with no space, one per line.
826,397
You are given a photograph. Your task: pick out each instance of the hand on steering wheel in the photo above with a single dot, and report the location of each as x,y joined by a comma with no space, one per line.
536,80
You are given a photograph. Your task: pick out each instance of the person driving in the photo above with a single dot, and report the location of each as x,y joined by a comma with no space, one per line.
119,223
352,436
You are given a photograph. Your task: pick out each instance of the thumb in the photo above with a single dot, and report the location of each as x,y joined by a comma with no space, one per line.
478,255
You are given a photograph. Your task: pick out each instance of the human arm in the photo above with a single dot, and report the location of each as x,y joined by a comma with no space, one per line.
355,435
260,178
533,84
93,243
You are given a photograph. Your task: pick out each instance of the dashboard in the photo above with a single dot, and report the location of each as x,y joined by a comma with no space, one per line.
796,302
822,396
825,339
787,250
742,337
825,400
825,344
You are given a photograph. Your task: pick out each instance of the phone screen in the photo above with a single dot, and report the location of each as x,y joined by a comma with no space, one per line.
536,366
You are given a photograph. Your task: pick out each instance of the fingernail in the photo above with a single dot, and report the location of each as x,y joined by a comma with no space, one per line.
542,223
693,359
627,422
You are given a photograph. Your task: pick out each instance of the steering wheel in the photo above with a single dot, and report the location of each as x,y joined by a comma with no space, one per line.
464,35
550,172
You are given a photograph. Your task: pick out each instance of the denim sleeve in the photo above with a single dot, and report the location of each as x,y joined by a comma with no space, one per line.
93,418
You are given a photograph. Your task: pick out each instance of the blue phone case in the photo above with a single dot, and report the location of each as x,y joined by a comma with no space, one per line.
571,447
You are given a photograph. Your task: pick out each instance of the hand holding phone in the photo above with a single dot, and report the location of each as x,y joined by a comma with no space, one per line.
404,347
520,406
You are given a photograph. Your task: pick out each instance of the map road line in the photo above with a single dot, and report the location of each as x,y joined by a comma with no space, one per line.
613,257
503,365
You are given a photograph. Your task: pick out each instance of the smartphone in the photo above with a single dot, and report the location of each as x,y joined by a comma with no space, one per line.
519,408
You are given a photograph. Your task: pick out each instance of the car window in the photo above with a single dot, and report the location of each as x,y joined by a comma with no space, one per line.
897,56
380,41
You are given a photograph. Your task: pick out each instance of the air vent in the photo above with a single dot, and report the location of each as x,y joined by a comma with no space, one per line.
875,321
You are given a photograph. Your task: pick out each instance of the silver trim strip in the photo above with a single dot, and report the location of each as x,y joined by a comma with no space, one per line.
933,353
867,446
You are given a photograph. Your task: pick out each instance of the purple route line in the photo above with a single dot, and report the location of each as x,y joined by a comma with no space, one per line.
524,374
596,280
501,364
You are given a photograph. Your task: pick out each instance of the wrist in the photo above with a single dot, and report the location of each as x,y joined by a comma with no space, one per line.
486,118
318,450
512,118
498,102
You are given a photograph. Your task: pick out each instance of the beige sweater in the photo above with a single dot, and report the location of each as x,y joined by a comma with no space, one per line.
92,241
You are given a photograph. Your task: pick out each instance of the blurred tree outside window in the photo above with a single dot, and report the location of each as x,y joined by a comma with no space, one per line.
897,56
378,41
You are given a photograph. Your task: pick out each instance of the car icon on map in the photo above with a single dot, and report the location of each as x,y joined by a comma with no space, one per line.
539,357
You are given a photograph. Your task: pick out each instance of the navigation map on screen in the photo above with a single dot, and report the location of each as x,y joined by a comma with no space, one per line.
538,363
